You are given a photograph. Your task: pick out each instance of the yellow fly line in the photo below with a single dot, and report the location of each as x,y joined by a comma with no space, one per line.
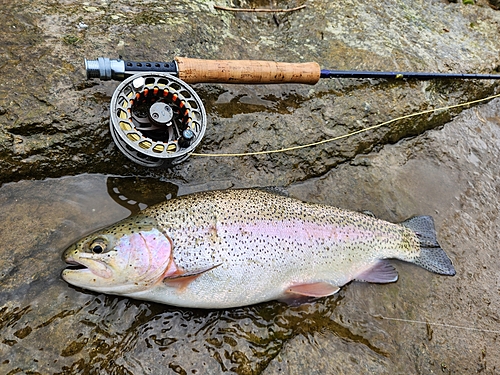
348,134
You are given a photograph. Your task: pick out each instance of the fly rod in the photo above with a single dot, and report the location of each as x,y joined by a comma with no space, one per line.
248,71
157,119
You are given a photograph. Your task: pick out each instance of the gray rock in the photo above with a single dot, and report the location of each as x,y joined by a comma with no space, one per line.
54,124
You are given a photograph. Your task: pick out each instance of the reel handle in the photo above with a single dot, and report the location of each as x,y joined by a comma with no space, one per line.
246,71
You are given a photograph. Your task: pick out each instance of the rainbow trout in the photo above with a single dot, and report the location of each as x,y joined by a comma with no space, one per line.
231,248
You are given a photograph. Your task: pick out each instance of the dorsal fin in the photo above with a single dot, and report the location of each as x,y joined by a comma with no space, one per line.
277,190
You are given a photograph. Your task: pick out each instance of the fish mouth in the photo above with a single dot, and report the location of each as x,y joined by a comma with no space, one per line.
73,265
74,270
82,266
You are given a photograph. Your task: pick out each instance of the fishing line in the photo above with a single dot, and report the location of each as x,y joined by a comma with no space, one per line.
436,324
345,135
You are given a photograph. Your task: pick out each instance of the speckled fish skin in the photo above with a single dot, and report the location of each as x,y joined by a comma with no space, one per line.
231,248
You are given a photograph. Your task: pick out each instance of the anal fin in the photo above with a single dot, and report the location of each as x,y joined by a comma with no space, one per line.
381,272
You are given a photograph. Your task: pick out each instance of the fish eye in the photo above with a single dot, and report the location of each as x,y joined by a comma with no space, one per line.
98,246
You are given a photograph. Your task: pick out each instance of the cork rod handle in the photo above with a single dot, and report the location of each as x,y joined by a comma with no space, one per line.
246,71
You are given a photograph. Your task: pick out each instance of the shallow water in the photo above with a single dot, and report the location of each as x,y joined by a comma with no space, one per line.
53,121
47,326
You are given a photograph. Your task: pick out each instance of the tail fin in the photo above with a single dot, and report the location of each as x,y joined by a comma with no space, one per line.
432,257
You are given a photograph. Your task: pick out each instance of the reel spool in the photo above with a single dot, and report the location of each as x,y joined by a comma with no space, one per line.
156,119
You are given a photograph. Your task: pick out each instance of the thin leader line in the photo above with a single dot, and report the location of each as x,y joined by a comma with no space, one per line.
436,324
346,135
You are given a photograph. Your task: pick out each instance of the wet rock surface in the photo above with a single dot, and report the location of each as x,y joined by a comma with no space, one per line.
422,324
54,123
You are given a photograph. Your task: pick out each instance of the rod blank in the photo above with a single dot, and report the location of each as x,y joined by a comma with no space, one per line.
402,75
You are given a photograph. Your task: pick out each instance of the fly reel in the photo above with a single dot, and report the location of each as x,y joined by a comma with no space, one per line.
156,119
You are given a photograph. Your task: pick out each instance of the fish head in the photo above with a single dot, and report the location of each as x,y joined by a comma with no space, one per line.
131,256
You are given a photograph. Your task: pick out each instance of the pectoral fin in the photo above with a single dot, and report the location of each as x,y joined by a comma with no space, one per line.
181,279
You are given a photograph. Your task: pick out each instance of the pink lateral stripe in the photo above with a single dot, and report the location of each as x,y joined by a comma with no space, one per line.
296,230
